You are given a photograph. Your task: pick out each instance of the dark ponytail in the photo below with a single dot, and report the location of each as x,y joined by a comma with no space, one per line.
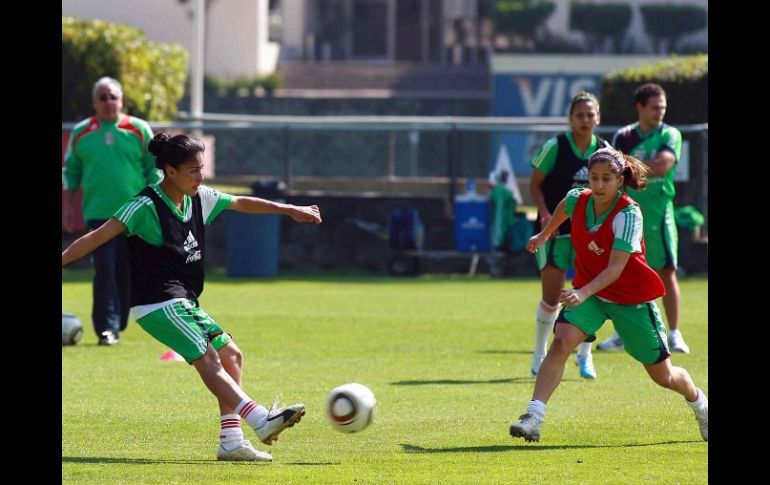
175,150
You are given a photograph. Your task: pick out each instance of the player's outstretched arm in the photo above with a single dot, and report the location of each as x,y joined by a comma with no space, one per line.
255,205
87,243
559,216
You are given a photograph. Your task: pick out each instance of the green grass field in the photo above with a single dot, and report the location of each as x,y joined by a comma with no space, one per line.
447,357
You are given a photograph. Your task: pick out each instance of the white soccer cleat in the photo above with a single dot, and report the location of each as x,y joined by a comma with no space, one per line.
611,344
243,452
676,343
278,420
586,365
528,428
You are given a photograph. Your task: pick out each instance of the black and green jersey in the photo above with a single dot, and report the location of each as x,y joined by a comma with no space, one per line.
645,146
110,160
565,168
167,245
174,269
140,215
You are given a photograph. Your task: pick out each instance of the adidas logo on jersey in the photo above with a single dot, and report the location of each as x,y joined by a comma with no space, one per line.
580,179
592,246
189,244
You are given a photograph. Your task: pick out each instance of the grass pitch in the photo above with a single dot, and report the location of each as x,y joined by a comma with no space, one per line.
447,357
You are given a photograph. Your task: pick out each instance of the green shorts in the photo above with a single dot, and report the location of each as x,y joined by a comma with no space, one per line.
184,327
660,237
640,326
556,252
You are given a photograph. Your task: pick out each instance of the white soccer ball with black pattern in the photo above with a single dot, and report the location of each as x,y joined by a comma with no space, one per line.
71,329
351,407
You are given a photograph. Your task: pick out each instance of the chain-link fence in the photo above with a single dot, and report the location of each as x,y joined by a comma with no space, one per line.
404,154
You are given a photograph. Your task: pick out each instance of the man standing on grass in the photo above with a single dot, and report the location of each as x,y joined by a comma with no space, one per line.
107,156
660,146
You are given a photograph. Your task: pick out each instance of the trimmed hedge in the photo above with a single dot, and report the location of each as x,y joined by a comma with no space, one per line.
153,75
599,21
672,22
684,78
522,17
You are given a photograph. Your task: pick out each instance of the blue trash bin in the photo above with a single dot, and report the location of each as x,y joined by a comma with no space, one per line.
472,223
252,244
252,240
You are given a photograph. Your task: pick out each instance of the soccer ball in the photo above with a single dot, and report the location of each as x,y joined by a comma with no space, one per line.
351,407
71,329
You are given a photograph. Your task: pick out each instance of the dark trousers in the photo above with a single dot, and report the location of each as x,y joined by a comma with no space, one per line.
112,284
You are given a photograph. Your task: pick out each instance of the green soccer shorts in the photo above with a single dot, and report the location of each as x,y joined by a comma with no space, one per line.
640,326
661,237
185,328
557,252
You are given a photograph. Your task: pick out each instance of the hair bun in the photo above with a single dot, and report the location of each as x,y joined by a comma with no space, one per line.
157,143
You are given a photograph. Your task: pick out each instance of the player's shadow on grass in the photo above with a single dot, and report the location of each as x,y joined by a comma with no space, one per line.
312,463
528,447
102,460
507,352
511,380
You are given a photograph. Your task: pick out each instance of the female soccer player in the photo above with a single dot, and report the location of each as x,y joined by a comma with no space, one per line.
165,228
560,165
612,282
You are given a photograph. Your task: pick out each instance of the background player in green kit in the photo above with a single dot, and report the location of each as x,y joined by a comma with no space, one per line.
659,146
165,224
560,165
612,282
107,156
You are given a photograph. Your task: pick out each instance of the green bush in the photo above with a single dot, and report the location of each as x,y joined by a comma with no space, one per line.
223,86
600,21
521,17
684,78
153,75
671,22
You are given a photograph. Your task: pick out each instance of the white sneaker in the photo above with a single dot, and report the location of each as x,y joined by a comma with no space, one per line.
537,359
243,452
528,428
703,421
278,420
676,343
586,365
611,344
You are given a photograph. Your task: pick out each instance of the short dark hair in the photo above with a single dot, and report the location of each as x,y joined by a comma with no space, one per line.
647,91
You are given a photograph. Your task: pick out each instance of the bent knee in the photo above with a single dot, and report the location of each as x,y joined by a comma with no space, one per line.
560,346
231,354
209,358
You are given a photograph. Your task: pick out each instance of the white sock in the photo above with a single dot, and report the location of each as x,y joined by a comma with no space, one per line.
699,402
544,320
254,414
584,349
230,434
537,409
673,333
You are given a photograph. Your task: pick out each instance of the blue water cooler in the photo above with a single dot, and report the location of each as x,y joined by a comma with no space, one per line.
472,223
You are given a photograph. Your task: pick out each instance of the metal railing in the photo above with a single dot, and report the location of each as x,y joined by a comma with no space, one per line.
414,148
